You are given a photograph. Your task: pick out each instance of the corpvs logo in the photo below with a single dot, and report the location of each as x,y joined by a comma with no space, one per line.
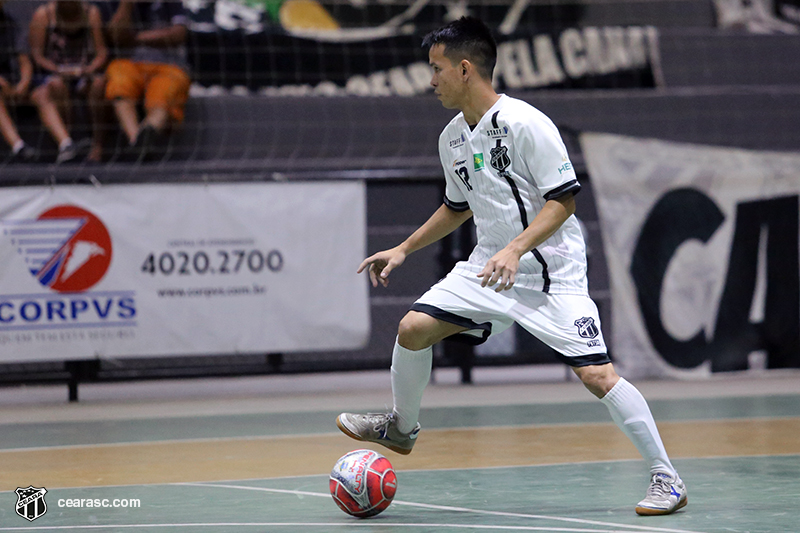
68,250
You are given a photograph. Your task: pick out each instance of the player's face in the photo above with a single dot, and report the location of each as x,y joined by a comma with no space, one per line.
447,81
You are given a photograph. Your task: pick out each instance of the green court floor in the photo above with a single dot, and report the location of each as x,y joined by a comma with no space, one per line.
239,472
726,495
155,429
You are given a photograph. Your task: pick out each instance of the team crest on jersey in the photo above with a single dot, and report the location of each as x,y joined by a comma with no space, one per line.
499,157
587,328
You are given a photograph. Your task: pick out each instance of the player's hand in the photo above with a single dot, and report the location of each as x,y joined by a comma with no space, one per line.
500,270
381,264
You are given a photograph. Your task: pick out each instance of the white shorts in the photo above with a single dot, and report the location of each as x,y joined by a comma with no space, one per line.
569,324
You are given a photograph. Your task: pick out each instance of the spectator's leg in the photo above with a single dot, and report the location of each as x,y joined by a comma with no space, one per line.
165,97
158,117
125,86
97,108
7,127
51,98
128,120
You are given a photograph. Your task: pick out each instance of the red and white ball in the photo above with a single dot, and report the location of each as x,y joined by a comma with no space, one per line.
363,483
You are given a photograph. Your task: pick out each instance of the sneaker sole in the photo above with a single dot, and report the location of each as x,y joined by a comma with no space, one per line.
343,428
646,511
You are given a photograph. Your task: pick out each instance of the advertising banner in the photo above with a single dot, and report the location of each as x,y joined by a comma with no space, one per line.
151,270
370,48
702,246
375,50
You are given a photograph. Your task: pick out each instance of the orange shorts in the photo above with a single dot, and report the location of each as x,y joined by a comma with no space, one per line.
162,86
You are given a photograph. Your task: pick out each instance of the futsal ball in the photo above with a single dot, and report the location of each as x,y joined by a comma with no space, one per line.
363,483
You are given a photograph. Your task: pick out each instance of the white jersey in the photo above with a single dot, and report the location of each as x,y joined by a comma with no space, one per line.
504,170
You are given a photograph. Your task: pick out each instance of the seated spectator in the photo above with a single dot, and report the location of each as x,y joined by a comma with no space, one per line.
16,73
152,69
69,50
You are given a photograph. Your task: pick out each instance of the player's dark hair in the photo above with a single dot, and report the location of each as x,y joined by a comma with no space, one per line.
466,38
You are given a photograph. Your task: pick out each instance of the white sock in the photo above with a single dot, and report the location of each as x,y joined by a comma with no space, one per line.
411,372
63,144
18,146
629,410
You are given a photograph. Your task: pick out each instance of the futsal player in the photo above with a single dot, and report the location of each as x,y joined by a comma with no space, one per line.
505,166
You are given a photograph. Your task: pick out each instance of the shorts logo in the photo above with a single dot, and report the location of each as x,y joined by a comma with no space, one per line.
587,328
30,502
67,248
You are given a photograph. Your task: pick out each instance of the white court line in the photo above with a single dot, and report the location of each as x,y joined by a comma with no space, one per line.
625,527
370,524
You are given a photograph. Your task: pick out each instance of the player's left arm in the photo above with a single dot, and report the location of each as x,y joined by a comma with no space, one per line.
501,270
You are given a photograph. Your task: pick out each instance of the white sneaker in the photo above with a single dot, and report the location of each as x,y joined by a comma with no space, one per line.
665,495
380,428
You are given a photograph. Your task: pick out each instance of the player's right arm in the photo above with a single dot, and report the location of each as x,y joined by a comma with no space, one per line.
442,223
